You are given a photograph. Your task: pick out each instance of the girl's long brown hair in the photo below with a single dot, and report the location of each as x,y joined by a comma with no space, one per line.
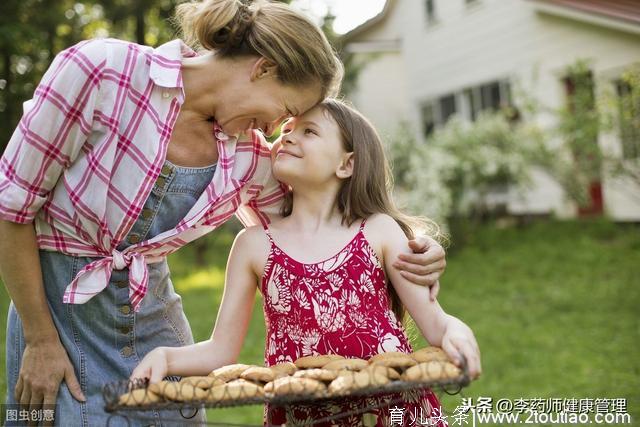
369,190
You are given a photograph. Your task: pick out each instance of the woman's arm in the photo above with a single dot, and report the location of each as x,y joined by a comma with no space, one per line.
51,133
223,348
45,362
438,327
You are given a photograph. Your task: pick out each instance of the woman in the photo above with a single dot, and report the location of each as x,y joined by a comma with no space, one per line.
123,156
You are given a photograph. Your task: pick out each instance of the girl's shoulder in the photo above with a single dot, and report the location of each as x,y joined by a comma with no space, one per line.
252,237
380,223
253,245
375,230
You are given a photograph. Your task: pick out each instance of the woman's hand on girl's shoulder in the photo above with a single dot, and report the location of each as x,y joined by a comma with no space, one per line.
421,260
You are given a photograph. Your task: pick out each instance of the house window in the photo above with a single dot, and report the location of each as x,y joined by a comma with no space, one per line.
492,96
447,107
430,9
428,119
629,117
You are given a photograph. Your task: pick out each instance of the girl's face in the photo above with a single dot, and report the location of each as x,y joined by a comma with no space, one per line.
310,150
261,101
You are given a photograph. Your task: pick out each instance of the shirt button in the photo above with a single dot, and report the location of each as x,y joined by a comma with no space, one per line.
166,170
160,182
122,283
126,351
134,238
166,94
147,213
124,329
125,309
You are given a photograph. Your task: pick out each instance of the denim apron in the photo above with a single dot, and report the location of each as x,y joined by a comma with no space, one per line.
104,338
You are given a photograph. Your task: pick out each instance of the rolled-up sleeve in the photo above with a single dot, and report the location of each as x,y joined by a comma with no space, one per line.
52,131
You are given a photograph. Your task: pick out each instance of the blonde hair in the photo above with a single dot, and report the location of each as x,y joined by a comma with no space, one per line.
369,189
272,30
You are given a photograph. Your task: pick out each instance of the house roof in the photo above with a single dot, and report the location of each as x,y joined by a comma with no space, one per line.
368,23
623,10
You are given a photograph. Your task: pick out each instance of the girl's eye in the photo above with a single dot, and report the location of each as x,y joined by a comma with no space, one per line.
285,130
309,131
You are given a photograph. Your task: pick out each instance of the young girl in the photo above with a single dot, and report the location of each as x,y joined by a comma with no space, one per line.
325,270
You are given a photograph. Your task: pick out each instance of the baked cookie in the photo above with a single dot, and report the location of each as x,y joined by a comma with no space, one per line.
287,386
140,396
179,392
310,362
286,368
393,360
319,374
431,371
390,373
234,390
259,374
204,383
430,354
229,372
354,381
346,365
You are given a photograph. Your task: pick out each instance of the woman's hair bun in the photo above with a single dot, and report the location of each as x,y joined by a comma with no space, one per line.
268,29
219,25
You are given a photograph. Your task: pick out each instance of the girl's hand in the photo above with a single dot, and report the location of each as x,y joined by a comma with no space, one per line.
425,265
458,341
153,367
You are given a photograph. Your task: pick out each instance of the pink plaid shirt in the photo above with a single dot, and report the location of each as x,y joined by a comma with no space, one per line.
91,144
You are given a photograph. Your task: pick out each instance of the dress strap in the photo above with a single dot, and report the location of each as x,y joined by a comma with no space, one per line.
268,233
362,224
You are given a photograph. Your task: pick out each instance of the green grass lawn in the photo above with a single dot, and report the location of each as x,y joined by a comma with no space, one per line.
555,307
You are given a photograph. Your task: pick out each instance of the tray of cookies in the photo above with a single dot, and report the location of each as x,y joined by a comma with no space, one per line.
308,380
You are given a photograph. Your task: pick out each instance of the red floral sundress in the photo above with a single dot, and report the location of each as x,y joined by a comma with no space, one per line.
337,306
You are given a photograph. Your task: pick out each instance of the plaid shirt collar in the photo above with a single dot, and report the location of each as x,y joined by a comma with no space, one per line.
166,62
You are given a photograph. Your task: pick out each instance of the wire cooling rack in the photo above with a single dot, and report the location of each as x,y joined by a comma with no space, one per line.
126,400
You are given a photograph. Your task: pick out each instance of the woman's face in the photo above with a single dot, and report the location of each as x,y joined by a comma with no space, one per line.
310,149
263,102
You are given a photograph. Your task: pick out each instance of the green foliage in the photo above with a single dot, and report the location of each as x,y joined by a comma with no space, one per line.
454,172
32,32
573,151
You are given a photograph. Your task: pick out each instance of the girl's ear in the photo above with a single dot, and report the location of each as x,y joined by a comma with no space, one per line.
263,68
345,168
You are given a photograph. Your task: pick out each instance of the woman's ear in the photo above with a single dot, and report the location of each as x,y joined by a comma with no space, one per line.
263,68
345,169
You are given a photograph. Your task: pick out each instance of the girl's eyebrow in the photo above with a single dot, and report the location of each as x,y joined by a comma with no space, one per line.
309,122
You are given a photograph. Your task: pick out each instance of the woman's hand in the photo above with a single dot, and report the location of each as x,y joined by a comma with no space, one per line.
425,265
45,364
458,341
153,367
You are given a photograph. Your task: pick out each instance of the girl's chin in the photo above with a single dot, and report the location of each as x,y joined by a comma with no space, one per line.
284,176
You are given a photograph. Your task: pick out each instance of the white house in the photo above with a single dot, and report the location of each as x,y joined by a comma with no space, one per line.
429,59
